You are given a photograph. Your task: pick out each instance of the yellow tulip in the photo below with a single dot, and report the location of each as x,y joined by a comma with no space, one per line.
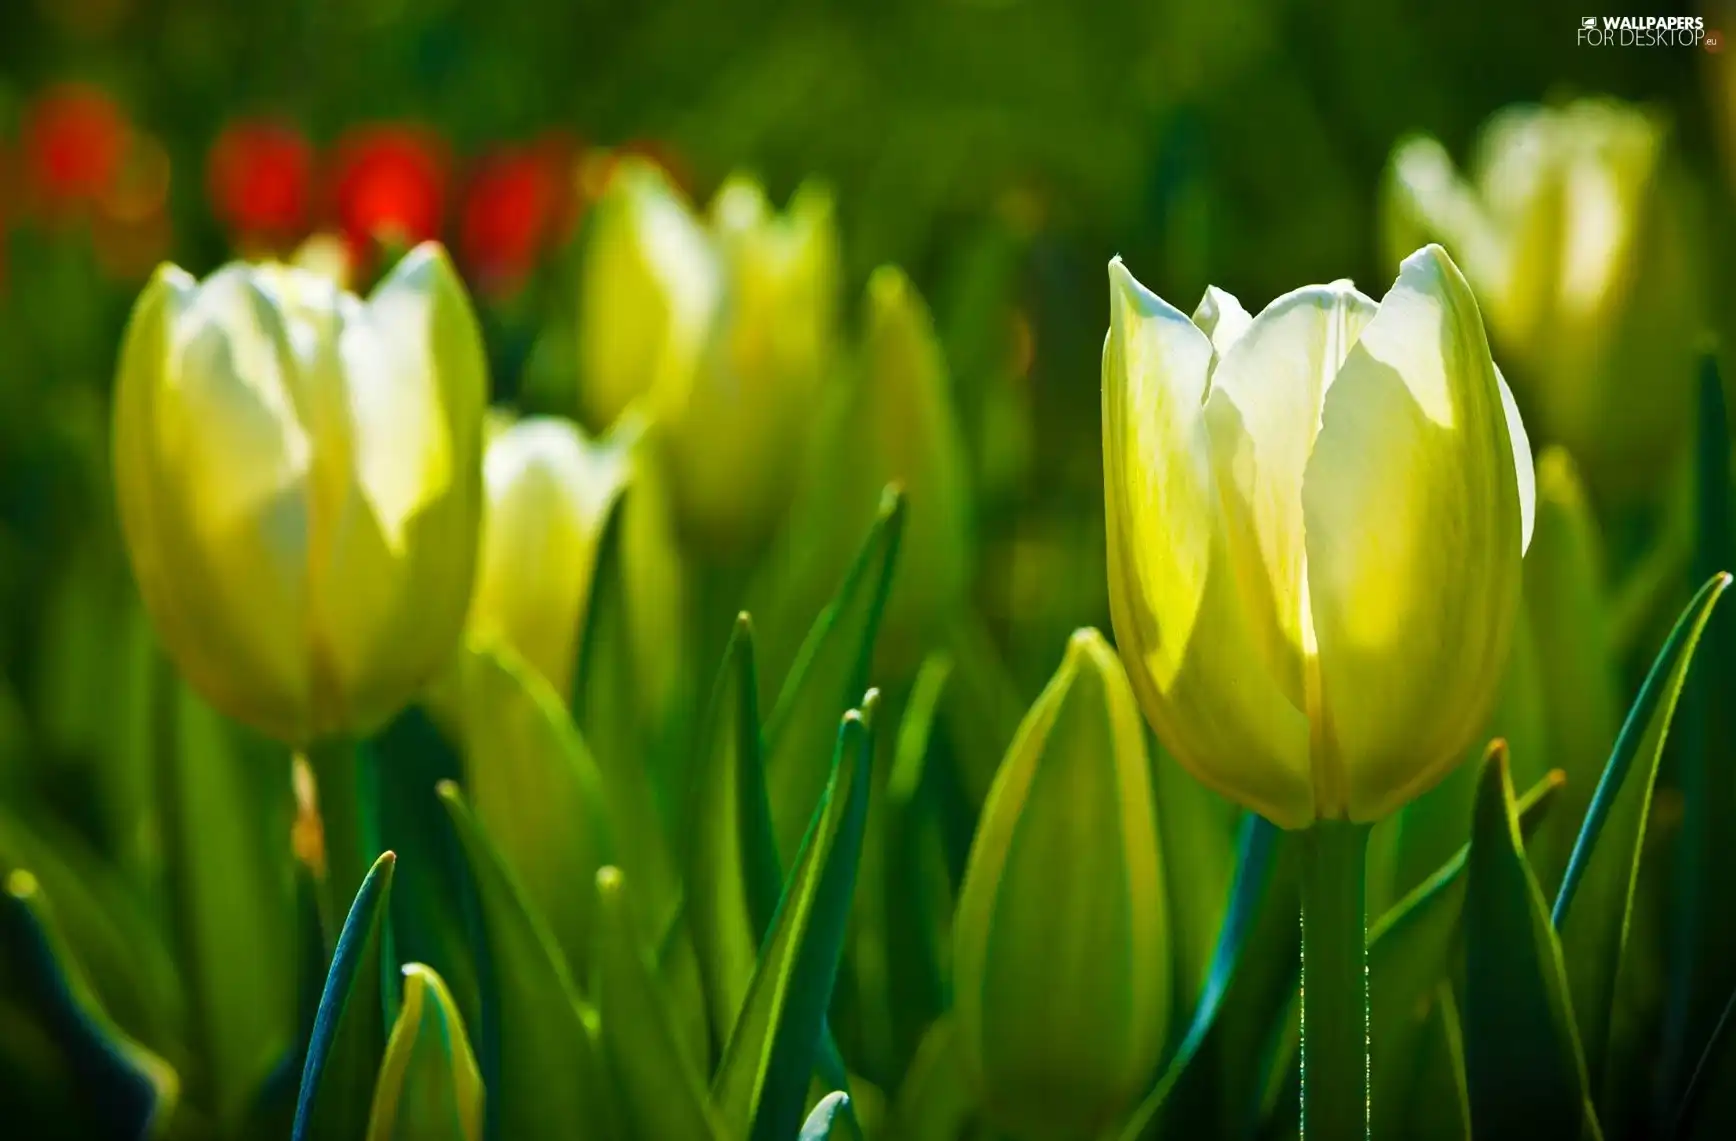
299,480
1578,237
737,429
1315,523
549,492
647,294
1061,956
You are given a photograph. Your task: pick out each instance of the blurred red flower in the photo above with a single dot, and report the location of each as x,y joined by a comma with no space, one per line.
260,177
388,185
519,202
74,138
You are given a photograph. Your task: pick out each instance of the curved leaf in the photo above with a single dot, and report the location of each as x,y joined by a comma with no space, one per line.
349,1032
1524,1069
1593,908
733,879
548,1084
535,789
127,1092
662,1095
429,1088
1411,950
829,675
762,1081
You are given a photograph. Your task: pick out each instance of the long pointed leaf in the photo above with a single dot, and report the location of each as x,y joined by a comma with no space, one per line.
1524,1068
732,865
138,1090
1596,900
1411,950
662,1094
830,674
762,1082
549,1082
349,1033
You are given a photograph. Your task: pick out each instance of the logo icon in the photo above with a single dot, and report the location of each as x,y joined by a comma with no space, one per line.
1589,23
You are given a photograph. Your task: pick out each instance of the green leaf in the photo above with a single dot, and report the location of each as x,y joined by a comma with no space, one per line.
1594,906
831,1119
428,1089
117,1088
661,1092
434,903
119,948
830,674
732,864
916,900
1518,1019
548,1081
1411,952
1441,1092
536,790
1702,944
624,662
349,1032
1198,831
1213,1084
1708,1105
226,824
762,1082
934,1101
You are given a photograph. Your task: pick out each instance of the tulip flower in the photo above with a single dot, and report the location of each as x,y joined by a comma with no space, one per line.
549,493
737,431
1061,943
299,480
648,291
1579,240
515,207
1315,524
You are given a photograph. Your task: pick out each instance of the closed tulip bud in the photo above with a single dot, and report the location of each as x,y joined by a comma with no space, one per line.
1578,235
647,294
1315,524
300,485
1061,943
736,434
894,423
549,493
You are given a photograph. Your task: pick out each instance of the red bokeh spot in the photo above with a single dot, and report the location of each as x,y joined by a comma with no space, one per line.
260,179
517,205
388,185
73,140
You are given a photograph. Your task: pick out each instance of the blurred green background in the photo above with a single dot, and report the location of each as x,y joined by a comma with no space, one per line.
1000,150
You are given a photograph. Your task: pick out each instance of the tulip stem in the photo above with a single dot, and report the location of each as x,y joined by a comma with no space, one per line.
1334,981
344,828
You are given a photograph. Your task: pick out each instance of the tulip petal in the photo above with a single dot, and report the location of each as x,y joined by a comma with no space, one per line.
1263,414
1221,317
549,490
1414,527
210,465
403,546
1523,470
1176,607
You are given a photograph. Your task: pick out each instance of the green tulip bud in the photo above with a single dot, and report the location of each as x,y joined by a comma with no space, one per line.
893,422
647,293
1578,235
1061,943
